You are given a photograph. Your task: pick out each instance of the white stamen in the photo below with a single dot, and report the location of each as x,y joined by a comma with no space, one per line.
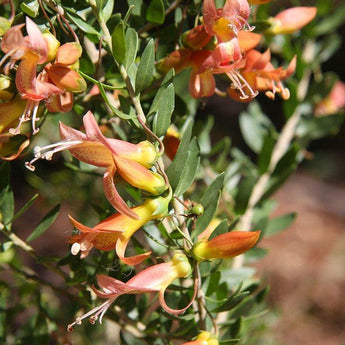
57,147
101,309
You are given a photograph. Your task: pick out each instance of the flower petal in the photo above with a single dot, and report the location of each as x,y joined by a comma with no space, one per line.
113,196
37,44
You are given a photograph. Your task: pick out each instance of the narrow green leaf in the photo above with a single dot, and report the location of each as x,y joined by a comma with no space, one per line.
82,25
265,154
155,12
145,68
233,302
30,8
209,200
243,193
119,42
7,207
190,168
176,166
107,10
213,283
163,104
252,132
132,47
278,224
45,223
25,207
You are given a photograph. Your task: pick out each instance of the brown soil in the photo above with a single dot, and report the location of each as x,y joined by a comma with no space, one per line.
305,267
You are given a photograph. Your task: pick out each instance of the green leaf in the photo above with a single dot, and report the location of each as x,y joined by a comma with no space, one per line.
177,164
243,193
254,126
209,200
145,68
265,154
331,22
279,223
25,207
119,42
30,8
45,223
155,12
233,302
7,207
163,104
132,47
83,25
213,283
107,10
190,168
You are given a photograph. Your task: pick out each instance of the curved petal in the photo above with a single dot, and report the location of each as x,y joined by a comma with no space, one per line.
37,44
209,13
202,84
113,195
81,227
26,78
120,249
70,134
176,311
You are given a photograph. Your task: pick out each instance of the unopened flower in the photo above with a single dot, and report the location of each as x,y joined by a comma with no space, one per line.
130,161
224,246
153,279
333,103
204,338
291,20
116,231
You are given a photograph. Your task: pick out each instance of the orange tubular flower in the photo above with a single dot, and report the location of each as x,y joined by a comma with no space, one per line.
130,161
37,49
260,75
153,279
224,246
116,231
204,338
291,20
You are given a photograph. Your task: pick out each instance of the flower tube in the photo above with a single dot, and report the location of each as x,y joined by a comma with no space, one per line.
116,231
129,160
153,279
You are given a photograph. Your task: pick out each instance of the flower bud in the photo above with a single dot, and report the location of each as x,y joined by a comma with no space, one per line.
291,20
225,246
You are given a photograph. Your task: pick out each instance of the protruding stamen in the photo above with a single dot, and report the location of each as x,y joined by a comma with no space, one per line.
94,313
34,119
57,147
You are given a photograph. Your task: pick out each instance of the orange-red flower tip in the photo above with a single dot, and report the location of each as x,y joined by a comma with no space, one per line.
226,245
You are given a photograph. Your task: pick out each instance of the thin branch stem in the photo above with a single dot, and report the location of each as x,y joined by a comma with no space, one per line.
258,191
